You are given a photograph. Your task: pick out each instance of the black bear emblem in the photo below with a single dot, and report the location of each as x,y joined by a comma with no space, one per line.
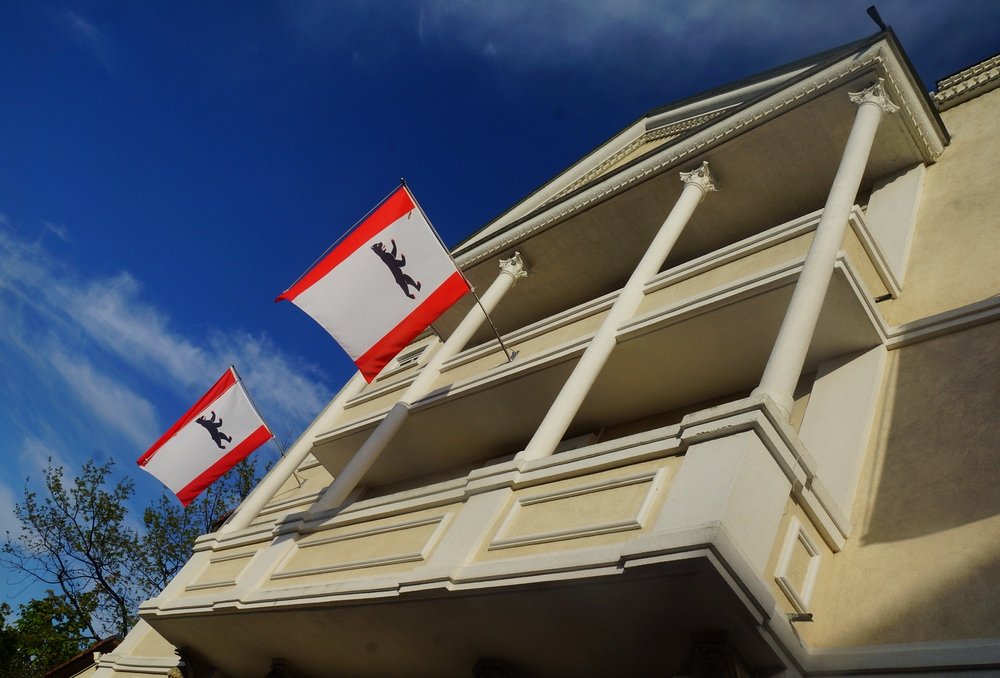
214,429
396,267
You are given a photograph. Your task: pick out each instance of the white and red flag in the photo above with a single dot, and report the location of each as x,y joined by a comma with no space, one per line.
218,432
382,285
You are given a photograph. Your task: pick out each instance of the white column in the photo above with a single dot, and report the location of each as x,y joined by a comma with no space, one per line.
697,184
789,352
255,502
510,271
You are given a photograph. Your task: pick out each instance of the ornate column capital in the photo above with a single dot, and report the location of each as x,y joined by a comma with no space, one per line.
874,95
514,267
700,177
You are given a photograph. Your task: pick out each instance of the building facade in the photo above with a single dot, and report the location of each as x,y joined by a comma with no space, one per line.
750,428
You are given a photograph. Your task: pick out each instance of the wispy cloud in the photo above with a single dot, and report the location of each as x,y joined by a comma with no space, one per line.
36,454
8,521
111,311
98,343
639,38
88,36
113,404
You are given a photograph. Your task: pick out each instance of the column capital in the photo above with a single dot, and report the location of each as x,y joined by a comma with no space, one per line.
700,177
514,267
874,95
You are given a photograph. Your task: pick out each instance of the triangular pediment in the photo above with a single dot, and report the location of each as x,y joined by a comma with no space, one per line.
663,128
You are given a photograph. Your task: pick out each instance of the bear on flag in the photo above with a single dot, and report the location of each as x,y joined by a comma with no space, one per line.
218,432
382,285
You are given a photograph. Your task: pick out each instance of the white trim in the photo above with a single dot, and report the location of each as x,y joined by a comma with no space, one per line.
441,521
636,522
795,535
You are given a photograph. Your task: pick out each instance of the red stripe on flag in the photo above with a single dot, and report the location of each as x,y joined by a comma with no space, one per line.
394,207
225,383
375,358
216,470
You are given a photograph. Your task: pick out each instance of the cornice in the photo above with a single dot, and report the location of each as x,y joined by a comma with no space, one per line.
879,59
665,133
967,84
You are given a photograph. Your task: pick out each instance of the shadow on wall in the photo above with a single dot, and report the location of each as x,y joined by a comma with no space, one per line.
939,447
931,599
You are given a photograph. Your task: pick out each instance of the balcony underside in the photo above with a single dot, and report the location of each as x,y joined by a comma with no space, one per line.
670,359
639,622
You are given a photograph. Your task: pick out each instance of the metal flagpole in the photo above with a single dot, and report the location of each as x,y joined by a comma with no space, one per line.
270,430
510,355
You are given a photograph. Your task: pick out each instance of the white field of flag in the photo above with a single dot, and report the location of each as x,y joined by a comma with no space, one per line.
218,432
383,285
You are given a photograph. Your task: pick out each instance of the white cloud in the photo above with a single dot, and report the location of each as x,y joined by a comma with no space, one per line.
86,34
115,405
36,455
638,39
288,391
8,521
98,337
112,313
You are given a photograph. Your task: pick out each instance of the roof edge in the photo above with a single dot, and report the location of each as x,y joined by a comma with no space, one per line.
920,117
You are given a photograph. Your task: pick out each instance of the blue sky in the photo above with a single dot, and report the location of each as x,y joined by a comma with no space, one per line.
168,168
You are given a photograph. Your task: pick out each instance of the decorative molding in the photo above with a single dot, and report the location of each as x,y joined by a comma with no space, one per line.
634,522
666,133
119,661
874,95
971,82
441,522
794,537
514,266
230,581
403,361
880,57
662,161
700,177
222,583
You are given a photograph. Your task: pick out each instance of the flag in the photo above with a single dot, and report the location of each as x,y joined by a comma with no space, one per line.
217,433
382,285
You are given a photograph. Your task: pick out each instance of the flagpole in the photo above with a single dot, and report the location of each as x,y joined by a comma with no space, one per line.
270,430
509,354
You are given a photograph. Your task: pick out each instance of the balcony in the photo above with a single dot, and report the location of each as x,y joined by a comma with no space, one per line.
669,503
702,334
522,565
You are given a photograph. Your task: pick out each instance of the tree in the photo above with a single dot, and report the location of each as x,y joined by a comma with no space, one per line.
46,633
13,662
170,530
75,537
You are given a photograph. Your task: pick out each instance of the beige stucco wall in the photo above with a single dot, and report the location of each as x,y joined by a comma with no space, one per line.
296,493
150,643
924,562
953,259
382,546
597,509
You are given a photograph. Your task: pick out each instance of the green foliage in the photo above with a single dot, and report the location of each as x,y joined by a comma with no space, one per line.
13,662
46,633
75,537
171,529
